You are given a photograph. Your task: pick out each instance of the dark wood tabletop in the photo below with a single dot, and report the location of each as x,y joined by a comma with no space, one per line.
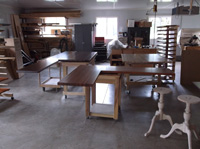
144,59
81,76
39,65
71,56
75,56
87,75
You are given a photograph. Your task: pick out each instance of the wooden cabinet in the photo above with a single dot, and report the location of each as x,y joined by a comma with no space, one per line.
84,36
190,61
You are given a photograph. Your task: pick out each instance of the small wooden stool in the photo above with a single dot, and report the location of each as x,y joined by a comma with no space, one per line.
159,115
185,126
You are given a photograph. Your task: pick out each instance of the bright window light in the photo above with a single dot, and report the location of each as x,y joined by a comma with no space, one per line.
106,27
107,1
160,21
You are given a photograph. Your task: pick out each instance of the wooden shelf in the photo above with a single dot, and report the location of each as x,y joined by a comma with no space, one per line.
51,82
4,24
102,110
166,43
167,46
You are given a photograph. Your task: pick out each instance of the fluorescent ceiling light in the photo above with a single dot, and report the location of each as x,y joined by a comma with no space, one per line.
162,0
113,1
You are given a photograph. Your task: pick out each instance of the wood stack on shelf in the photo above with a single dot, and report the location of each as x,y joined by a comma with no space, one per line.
166,45
27,27
4,76
12,48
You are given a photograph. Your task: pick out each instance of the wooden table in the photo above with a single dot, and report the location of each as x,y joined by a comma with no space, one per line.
143,60
71,58
88,76
75,59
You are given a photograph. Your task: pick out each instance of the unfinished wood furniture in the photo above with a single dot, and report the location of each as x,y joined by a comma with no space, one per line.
39,67
185,126
88,76
190,71
115,57
143,60
67,59
3,90
166,45
159,115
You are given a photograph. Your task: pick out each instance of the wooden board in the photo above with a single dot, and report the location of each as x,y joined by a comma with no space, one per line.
81,77
67,14
19,33
87,75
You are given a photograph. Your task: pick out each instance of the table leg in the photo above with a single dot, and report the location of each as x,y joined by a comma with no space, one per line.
94,94
116,102
65,72
119,93
87,101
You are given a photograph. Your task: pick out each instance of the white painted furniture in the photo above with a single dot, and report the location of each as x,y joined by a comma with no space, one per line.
185,126
159,115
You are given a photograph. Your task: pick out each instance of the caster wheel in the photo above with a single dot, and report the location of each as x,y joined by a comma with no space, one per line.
153,86
12,98
65,96
43,89
127,92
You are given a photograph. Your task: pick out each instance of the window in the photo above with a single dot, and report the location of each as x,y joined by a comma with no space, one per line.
50,29
160,21
106,27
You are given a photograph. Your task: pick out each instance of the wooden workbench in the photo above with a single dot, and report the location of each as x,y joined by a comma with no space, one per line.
88,76
67,59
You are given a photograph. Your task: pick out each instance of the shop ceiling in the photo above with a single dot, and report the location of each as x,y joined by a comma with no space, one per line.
95,4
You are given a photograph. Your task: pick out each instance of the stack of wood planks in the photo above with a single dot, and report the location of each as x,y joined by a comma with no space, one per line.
17,32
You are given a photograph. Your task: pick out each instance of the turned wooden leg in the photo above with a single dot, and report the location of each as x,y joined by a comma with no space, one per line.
156,117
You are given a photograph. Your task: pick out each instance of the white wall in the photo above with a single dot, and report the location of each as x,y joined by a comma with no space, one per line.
5,12
185,21
89,16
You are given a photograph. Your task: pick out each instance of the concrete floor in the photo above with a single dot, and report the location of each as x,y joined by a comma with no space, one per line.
45,120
